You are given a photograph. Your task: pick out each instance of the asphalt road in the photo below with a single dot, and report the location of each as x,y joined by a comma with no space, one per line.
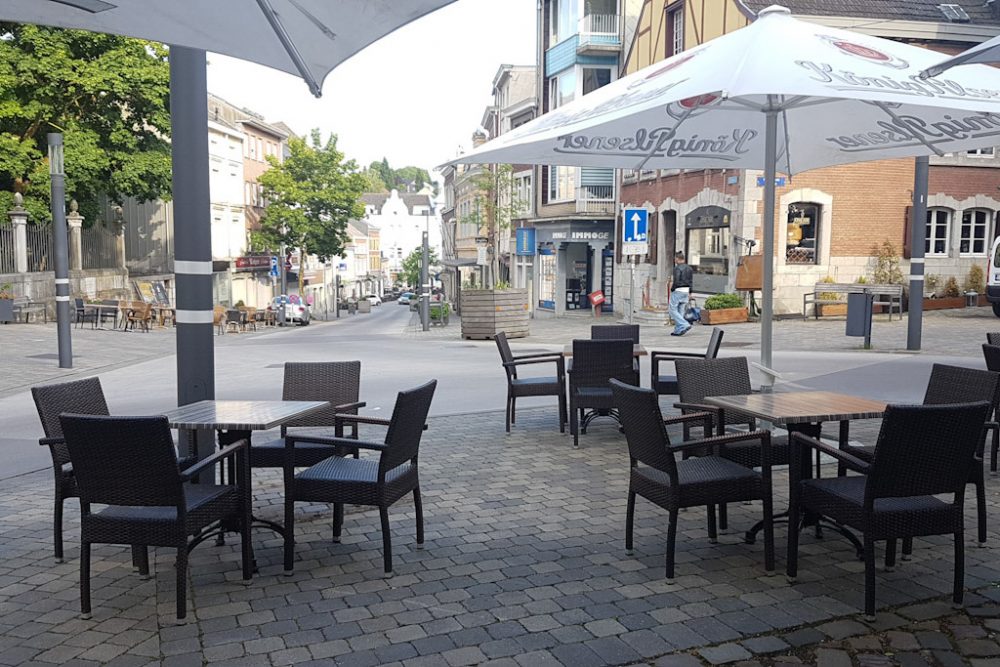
394,357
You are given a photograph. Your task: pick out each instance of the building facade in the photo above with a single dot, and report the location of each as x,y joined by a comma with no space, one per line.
401,220
828,221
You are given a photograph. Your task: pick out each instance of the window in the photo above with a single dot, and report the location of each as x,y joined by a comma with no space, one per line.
938,222
522,192
675,31
562,89
975,224
260,149
802,233
562,183
563,19
981,152
594,78
252,148
246,147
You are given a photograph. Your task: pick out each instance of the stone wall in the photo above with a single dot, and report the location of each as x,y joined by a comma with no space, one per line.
90,284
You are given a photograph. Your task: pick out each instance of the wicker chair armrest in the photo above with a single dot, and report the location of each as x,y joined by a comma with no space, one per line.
546,359
350,406
360,419
729,438
849,461
224,453
989,426
519,357
700,407
48,442
707,417
347,443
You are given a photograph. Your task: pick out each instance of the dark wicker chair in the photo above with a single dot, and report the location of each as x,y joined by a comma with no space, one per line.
82,313
595,362
340,480
129,465
992,355
922,452
615,332
705,480
948,385
667,384
993,337
521,387
337,382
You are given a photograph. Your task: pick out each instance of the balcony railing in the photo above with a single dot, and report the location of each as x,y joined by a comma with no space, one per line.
595,199
600,30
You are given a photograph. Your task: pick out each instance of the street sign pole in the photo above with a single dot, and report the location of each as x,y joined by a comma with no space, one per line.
425,288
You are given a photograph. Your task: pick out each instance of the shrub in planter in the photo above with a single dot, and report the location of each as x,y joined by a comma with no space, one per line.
976,280
723,308
720,301
951,288
931,282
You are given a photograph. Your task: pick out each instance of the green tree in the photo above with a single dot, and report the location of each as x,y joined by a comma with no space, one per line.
373,181
311,196
107,94
410,274
496,206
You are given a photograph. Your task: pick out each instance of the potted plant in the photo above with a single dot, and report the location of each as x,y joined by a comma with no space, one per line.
931,284
975,286
723,309
950,296
440,312
827,309
6,302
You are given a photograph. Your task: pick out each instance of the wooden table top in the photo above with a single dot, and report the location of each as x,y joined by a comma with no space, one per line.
800,406
637,350
239,415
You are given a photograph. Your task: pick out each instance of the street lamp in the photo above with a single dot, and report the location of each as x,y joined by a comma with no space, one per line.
425,288
60,247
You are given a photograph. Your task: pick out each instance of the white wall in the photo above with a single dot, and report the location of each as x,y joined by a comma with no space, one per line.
401,231
225,160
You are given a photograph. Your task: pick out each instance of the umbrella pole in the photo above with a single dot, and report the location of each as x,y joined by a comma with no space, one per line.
767,284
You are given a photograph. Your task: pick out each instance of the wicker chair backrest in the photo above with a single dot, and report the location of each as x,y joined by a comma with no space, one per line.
127,461
597,361
728,376
992,355
714,343
925,450
648,442
338,382
406,427
953,384
993,337
506,356
615,332
80,397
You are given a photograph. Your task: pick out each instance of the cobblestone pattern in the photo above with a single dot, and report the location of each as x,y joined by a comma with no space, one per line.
524,565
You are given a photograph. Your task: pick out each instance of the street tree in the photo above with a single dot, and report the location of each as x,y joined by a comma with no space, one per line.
311,196
410,274
107,94
496,206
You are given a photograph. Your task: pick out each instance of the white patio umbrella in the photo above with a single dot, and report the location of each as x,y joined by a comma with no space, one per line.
986,53
303,37
781,95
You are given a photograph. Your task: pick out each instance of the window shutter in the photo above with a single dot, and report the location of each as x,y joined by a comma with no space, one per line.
907,233
618,239
545,183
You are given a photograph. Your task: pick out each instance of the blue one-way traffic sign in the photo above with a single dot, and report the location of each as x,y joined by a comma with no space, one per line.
635,231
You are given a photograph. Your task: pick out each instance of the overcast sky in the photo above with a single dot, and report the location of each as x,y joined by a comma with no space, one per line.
413,97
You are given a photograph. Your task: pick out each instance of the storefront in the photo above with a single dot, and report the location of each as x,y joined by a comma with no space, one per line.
707,244
574,259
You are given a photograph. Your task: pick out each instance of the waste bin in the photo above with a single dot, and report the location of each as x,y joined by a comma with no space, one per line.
859,315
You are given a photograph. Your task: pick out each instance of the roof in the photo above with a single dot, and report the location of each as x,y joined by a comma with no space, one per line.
899,10
410,199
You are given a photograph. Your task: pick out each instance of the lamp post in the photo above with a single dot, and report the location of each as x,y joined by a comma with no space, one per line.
60,246
425,288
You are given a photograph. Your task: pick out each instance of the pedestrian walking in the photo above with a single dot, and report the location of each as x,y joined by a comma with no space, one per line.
680,293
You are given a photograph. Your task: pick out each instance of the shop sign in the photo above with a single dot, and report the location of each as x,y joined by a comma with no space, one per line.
581,236
525,238
253,263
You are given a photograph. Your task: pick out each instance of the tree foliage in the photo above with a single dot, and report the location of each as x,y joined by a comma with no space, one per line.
410,274
496,206
311,196
401,179
107,94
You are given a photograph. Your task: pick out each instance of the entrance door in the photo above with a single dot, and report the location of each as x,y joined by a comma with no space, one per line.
707,241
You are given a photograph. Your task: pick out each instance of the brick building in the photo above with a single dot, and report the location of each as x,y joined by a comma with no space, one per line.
827,220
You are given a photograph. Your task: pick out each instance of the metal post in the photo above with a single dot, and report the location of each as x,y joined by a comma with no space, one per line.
336,295
192,230
918,234
631,288
283,292
60,246
425,288
770,169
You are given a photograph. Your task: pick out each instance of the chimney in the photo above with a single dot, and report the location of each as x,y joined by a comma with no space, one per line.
478,138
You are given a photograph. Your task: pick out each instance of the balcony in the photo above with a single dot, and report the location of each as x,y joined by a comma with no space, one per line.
597,199
599,33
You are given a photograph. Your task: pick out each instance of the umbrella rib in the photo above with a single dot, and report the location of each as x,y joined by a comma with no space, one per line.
673,131
286,42
881,105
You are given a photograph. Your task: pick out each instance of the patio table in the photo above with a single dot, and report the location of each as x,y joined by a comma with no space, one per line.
637,350
236,420
801,411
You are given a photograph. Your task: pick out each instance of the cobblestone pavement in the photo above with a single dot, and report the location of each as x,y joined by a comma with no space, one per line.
524,565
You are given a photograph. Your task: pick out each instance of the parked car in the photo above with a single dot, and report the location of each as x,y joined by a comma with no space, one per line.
405,297
296,311
993,277
373,299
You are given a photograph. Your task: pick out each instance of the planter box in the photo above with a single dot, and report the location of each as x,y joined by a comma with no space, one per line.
723,315
487,312
829,309
6,310
946,302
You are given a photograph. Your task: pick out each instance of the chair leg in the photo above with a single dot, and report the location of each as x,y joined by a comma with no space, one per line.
890,555
140,557
562,412
768,532
629,521
574,425
338,521
513,409
507,413
957,592
383,513
869,578
418,509
981,508
713,533
792,557
57,522
907,548
85,579
723,517
182,565
289,529
671,542
994,450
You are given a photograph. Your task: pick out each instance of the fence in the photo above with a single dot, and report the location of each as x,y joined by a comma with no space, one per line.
39,247
7,263
99,248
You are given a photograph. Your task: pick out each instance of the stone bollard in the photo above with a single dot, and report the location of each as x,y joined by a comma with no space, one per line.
75,222
19,221
119,228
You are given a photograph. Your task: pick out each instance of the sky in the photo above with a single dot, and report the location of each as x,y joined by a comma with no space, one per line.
414,96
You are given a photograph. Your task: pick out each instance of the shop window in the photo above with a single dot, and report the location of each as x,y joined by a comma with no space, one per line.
546,278
802,231
707,245
975,226
938,223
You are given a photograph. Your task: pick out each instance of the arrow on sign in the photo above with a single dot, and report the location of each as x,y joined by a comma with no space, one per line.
636,219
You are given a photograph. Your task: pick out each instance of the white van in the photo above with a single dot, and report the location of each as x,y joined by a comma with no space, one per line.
993,277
